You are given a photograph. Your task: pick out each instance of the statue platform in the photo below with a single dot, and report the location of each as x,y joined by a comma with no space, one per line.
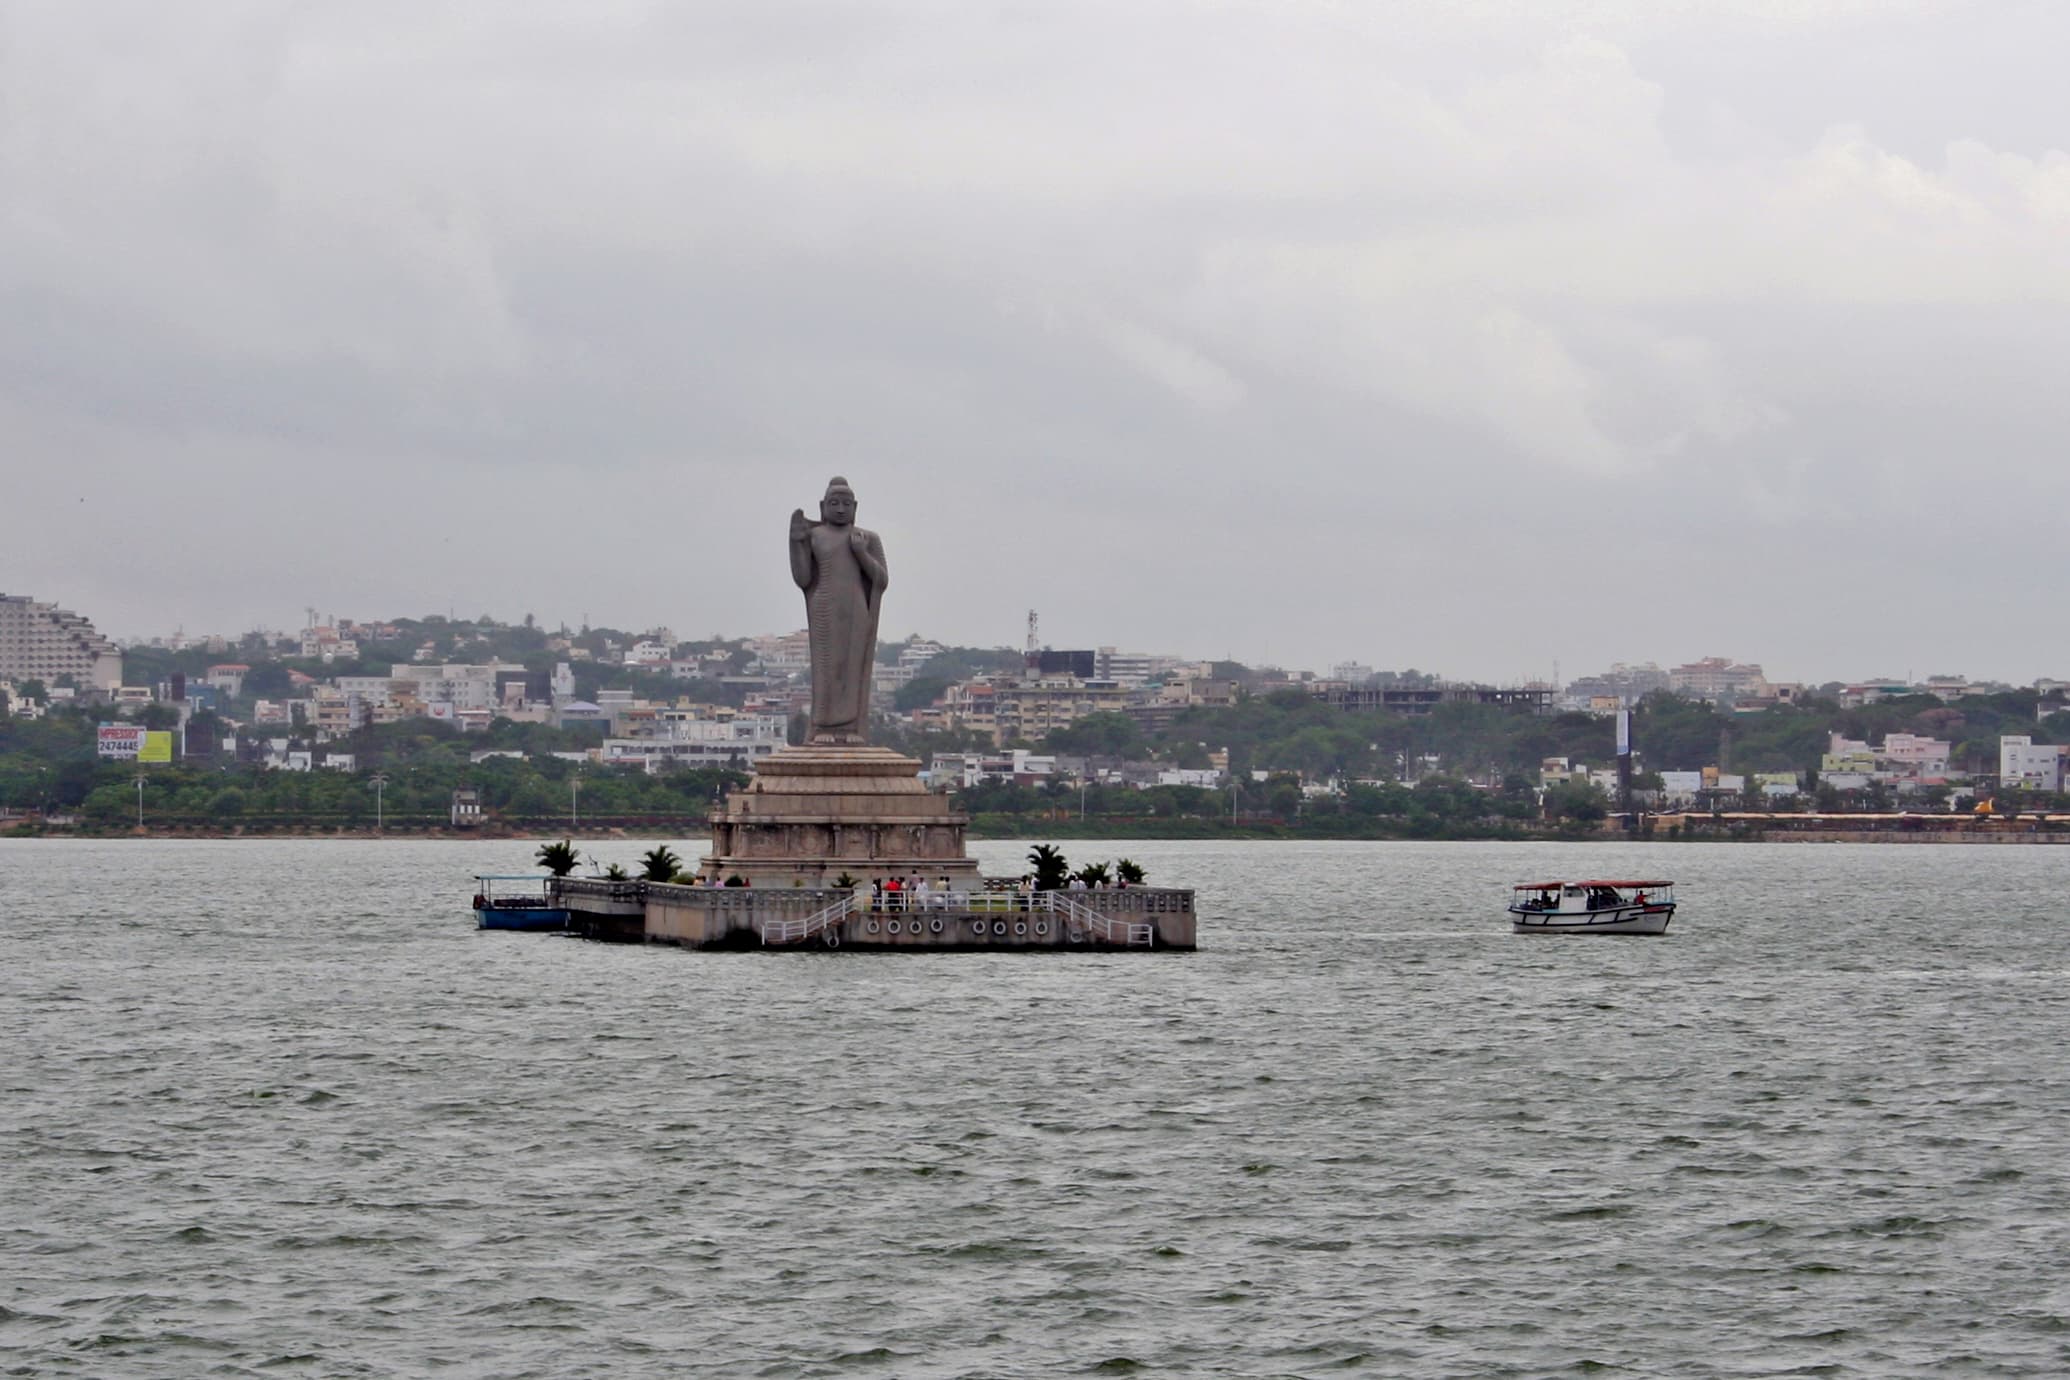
813,813
988,917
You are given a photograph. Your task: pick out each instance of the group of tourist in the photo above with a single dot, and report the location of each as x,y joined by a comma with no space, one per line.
912,892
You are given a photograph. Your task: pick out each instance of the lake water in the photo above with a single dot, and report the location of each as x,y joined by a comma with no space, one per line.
277,1108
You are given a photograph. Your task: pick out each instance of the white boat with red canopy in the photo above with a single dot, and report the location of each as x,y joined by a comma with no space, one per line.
1592,907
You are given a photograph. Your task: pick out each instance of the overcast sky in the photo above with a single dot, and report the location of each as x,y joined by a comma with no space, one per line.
1474,336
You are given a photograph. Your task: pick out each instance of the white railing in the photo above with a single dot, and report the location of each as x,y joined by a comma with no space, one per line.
599,888
1109,929
964,902
797,931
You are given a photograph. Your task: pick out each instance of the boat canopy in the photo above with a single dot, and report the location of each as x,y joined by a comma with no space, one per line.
1554,886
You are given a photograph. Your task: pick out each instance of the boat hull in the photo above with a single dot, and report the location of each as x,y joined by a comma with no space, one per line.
520,918
1610,920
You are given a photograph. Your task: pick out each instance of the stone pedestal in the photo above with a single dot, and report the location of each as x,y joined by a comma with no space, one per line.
813,813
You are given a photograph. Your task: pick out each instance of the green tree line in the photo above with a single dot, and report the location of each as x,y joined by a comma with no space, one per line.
50,763
1288,731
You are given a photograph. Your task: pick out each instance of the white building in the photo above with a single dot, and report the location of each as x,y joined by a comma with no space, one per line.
977,768
1679,788
1715,678
372,690
1130,668
736,742
913,655
461,686
43,642
2024,762
789,654
228,678
326,643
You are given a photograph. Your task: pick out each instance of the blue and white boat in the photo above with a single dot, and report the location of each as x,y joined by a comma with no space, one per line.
523,903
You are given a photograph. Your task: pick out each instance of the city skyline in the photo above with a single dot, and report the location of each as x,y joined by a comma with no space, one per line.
684,633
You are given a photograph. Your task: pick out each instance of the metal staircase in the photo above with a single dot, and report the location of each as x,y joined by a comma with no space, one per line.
1108,929
798,931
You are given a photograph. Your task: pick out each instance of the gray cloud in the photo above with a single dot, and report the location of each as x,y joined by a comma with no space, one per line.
1467,337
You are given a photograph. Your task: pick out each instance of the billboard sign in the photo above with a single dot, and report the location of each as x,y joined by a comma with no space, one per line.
128,743
122,741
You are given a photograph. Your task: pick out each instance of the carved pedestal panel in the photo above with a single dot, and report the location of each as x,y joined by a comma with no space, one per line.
813,813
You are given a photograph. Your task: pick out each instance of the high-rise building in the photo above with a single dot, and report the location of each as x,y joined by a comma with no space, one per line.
1716,679
43,642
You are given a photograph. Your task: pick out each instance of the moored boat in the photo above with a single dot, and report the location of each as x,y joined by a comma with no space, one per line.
1592,907
516,907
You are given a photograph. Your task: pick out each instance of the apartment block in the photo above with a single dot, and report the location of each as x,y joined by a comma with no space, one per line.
2024,762
1715,678
43,642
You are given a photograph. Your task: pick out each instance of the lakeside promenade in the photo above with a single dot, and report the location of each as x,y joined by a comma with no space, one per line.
1692,827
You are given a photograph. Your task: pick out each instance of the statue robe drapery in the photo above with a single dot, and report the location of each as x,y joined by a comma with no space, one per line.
841,606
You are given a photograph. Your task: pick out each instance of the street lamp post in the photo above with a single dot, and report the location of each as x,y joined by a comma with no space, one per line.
140,800
1081,798
574,785
380,779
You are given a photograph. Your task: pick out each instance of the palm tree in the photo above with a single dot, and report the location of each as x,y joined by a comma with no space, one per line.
660,863
1093,874
1051,870
615,873
1130,871
557,858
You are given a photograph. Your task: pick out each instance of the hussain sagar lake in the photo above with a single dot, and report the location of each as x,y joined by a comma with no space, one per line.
276,1107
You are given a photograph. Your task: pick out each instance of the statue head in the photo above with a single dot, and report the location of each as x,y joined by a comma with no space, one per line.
838,507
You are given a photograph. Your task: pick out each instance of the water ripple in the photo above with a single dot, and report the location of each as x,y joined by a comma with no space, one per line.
273,1107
